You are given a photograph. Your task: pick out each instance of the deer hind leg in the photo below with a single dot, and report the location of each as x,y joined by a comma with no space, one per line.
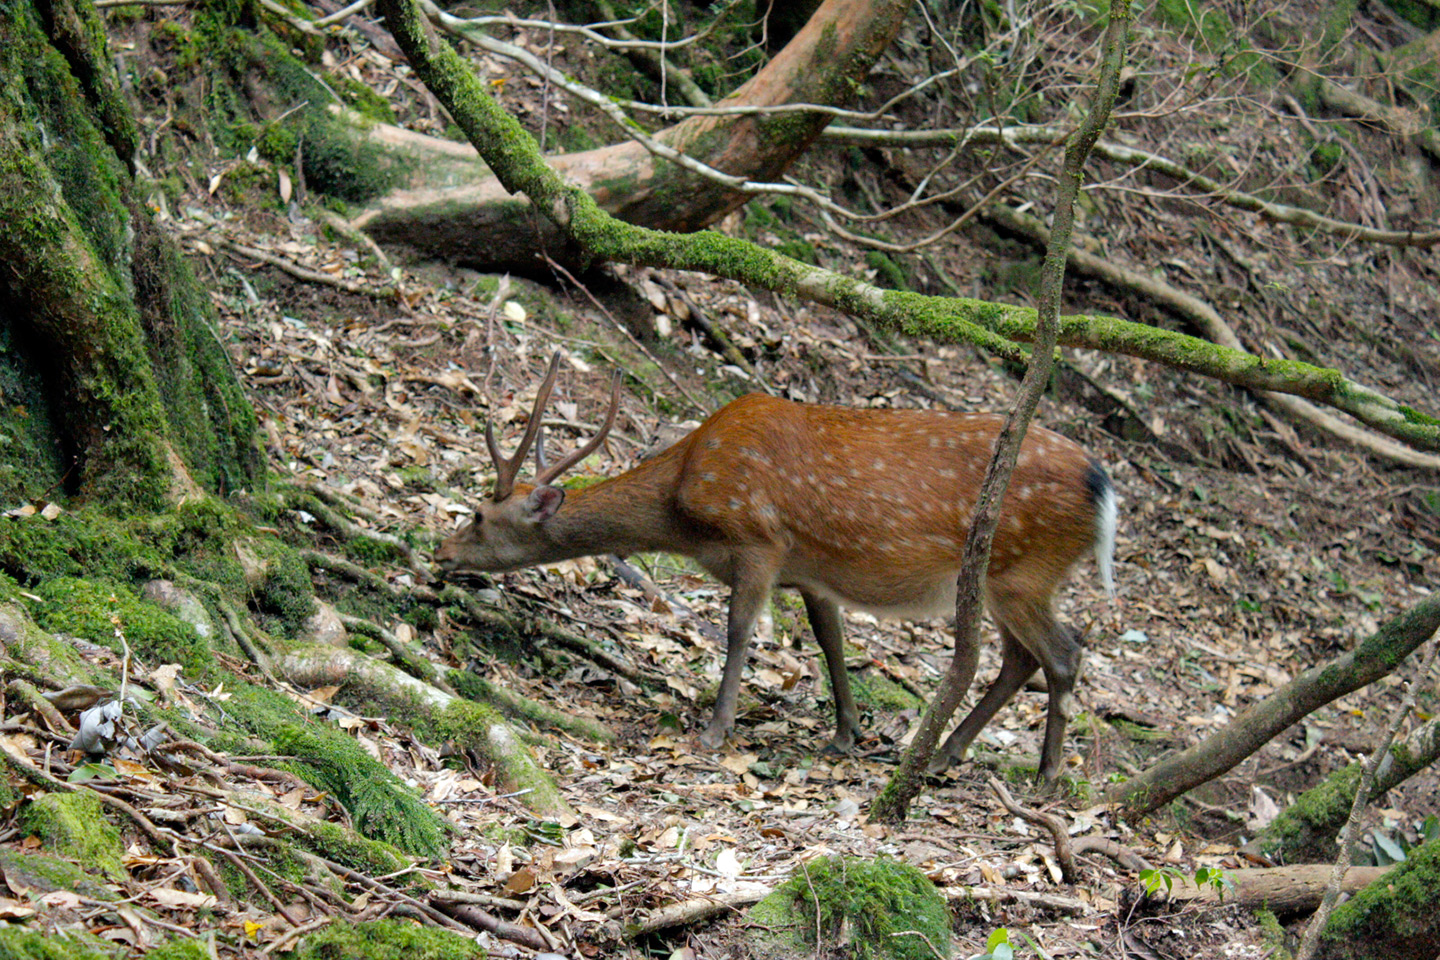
1017,666
1057,649
829,629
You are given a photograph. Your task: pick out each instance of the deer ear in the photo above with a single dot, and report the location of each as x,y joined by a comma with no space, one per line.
542,502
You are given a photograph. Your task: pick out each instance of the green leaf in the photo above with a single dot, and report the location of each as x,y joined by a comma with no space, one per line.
93,771
1000,937
1387,849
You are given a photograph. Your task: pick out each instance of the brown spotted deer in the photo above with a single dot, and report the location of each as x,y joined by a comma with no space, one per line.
866,509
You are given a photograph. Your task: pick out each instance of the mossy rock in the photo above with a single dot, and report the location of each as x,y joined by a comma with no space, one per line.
19,943
43,873
1393,918
386,940
72,825
96,611
869,909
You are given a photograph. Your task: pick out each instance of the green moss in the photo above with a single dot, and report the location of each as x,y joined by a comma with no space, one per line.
18,943
86,541
879,692
386,940
888,273
382,807
877,905
97,611
337,162
1393,918
72,825
333,842
180,948
43,874
467,724
798,250
1305,831
1215,33
70,200
31,465
287,593
364,100
1274,933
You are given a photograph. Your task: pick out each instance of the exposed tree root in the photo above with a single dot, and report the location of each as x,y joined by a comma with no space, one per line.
1056,827
1122,855
473,726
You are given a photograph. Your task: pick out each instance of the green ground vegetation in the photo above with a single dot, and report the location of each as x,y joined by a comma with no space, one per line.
387,940
888,909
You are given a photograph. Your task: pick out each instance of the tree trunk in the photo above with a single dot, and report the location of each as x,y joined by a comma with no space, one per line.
481,224
103,317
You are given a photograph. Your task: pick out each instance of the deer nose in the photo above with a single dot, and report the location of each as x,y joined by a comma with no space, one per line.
444,565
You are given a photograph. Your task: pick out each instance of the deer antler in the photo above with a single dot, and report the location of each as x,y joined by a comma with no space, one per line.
507,470
546,474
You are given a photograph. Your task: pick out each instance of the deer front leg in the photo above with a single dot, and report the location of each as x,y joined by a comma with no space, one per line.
748,595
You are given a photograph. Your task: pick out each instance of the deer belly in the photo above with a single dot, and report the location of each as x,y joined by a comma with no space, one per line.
911,596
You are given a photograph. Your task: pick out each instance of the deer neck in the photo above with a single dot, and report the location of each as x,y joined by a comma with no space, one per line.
632,513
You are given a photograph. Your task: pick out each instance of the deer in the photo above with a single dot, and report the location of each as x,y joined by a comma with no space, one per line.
866,509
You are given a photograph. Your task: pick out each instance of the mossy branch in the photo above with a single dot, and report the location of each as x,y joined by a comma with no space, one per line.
515,158
1375,657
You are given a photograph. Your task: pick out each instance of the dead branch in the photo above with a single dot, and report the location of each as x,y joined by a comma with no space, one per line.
1284,890
688,912
1057,828
473,916
1069,906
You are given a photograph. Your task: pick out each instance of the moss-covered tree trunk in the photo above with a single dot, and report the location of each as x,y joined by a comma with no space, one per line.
113,383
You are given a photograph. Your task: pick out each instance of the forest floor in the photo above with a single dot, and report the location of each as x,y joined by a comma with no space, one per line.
1249,550
1230,582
